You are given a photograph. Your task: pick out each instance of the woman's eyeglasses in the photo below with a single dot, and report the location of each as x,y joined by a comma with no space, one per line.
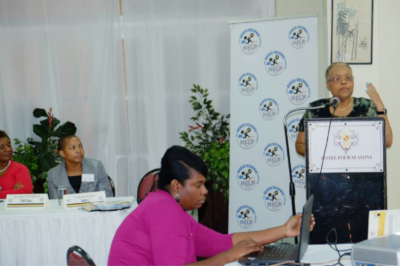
338,79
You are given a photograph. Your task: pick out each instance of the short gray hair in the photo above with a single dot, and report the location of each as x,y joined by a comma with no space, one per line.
328,70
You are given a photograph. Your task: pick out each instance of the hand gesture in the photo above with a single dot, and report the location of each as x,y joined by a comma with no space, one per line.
293,225
374,95
244,247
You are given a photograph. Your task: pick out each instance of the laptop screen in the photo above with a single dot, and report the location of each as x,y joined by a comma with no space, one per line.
305,227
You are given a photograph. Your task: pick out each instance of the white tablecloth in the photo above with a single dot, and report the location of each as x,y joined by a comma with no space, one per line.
42,237
324,254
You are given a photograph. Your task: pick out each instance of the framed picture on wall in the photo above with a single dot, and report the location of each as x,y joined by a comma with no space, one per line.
352,22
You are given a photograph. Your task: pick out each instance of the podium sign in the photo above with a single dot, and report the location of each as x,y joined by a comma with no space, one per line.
346,172
352,147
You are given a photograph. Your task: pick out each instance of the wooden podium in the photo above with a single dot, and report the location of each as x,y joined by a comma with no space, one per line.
348,178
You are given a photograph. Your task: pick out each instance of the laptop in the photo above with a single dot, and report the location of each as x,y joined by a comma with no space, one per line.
284,252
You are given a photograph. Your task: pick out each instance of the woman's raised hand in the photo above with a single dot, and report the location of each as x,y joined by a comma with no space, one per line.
374,95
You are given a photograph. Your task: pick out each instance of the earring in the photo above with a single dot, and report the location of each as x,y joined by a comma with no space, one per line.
177,198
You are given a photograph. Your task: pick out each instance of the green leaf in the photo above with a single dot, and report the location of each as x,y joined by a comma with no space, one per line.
67,128
54,123
46,162
44,175
40,131
39,113
34,166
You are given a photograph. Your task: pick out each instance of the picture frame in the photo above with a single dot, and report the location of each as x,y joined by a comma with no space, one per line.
352,31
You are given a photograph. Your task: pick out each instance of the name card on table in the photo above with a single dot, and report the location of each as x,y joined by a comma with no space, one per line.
27,201
83,199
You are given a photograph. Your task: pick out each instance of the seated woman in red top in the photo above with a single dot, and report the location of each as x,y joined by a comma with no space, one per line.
160,231
14,177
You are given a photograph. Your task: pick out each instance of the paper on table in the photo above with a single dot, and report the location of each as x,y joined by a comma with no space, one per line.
108,206
383,223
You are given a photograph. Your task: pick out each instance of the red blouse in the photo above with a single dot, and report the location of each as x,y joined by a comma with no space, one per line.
16,172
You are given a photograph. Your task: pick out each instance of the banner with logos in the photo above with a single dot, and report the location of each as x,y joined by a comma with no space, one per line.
274,68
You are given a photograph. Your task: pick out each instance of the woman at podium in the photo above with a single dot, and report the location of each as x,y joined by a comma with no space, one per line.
344,199
340,82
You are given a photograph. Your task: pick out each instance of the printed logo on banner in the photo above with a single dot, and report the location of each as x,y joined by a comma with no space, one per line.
273,154
247,176
246,135
275,63
293,128
274,198
298,91
249,41
269,109
246,216
248,84
345,139
299,175
298,36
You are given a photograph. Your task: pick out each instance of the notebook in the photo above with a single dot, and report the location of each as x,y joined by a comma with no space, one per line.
284,252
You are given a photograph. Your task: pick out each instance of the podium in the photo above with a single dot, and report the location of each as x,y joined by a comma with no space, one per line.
346,172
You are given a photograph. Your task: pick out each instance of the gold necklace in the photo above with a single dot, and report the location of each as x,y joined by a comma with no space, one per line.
341,109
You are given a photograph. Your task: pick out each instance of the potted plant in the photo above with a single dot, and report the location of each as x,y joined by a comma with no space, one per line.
209,139
41,156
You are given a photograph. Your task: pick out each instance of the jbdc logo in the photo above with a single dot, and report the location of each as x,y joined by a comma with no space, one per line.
274,198
345,139
269,109
293,128
273,154
249,41
298,91
299,175
298,37
248,84
247,176
246,216
246,135
275,63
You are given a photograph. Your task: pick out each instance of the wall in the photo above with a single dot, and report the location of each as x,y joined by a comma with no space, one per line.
382,73
295,8
389,56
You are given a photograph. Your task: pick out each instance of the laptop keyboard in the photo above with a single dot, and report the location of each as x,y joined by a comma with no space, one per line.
276,251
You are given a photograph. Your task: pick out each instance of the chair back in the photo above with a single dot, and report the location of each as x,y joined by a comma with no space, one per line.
112,185
147,184
76,256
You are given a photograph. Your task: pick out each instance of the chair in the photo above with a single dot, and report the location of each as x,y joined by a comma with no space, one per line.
147,184
76,256
112,185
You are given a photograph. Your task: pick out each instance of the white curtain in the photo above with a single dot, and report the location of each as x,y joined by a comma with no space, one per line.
120,70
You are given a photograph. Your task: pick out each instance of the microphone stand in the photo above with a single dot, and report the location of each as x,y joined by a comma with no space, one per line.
291,184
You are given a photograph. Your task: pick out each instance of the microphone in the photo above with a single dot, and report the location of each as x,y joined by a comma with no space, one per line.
334,102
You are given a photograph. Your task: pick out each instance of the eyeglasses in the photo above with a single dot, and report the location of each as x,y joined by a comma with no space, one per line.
338,79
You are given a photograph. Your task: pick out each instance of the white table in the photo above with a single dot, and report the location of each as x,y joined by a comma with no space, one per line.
43,236
324,254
